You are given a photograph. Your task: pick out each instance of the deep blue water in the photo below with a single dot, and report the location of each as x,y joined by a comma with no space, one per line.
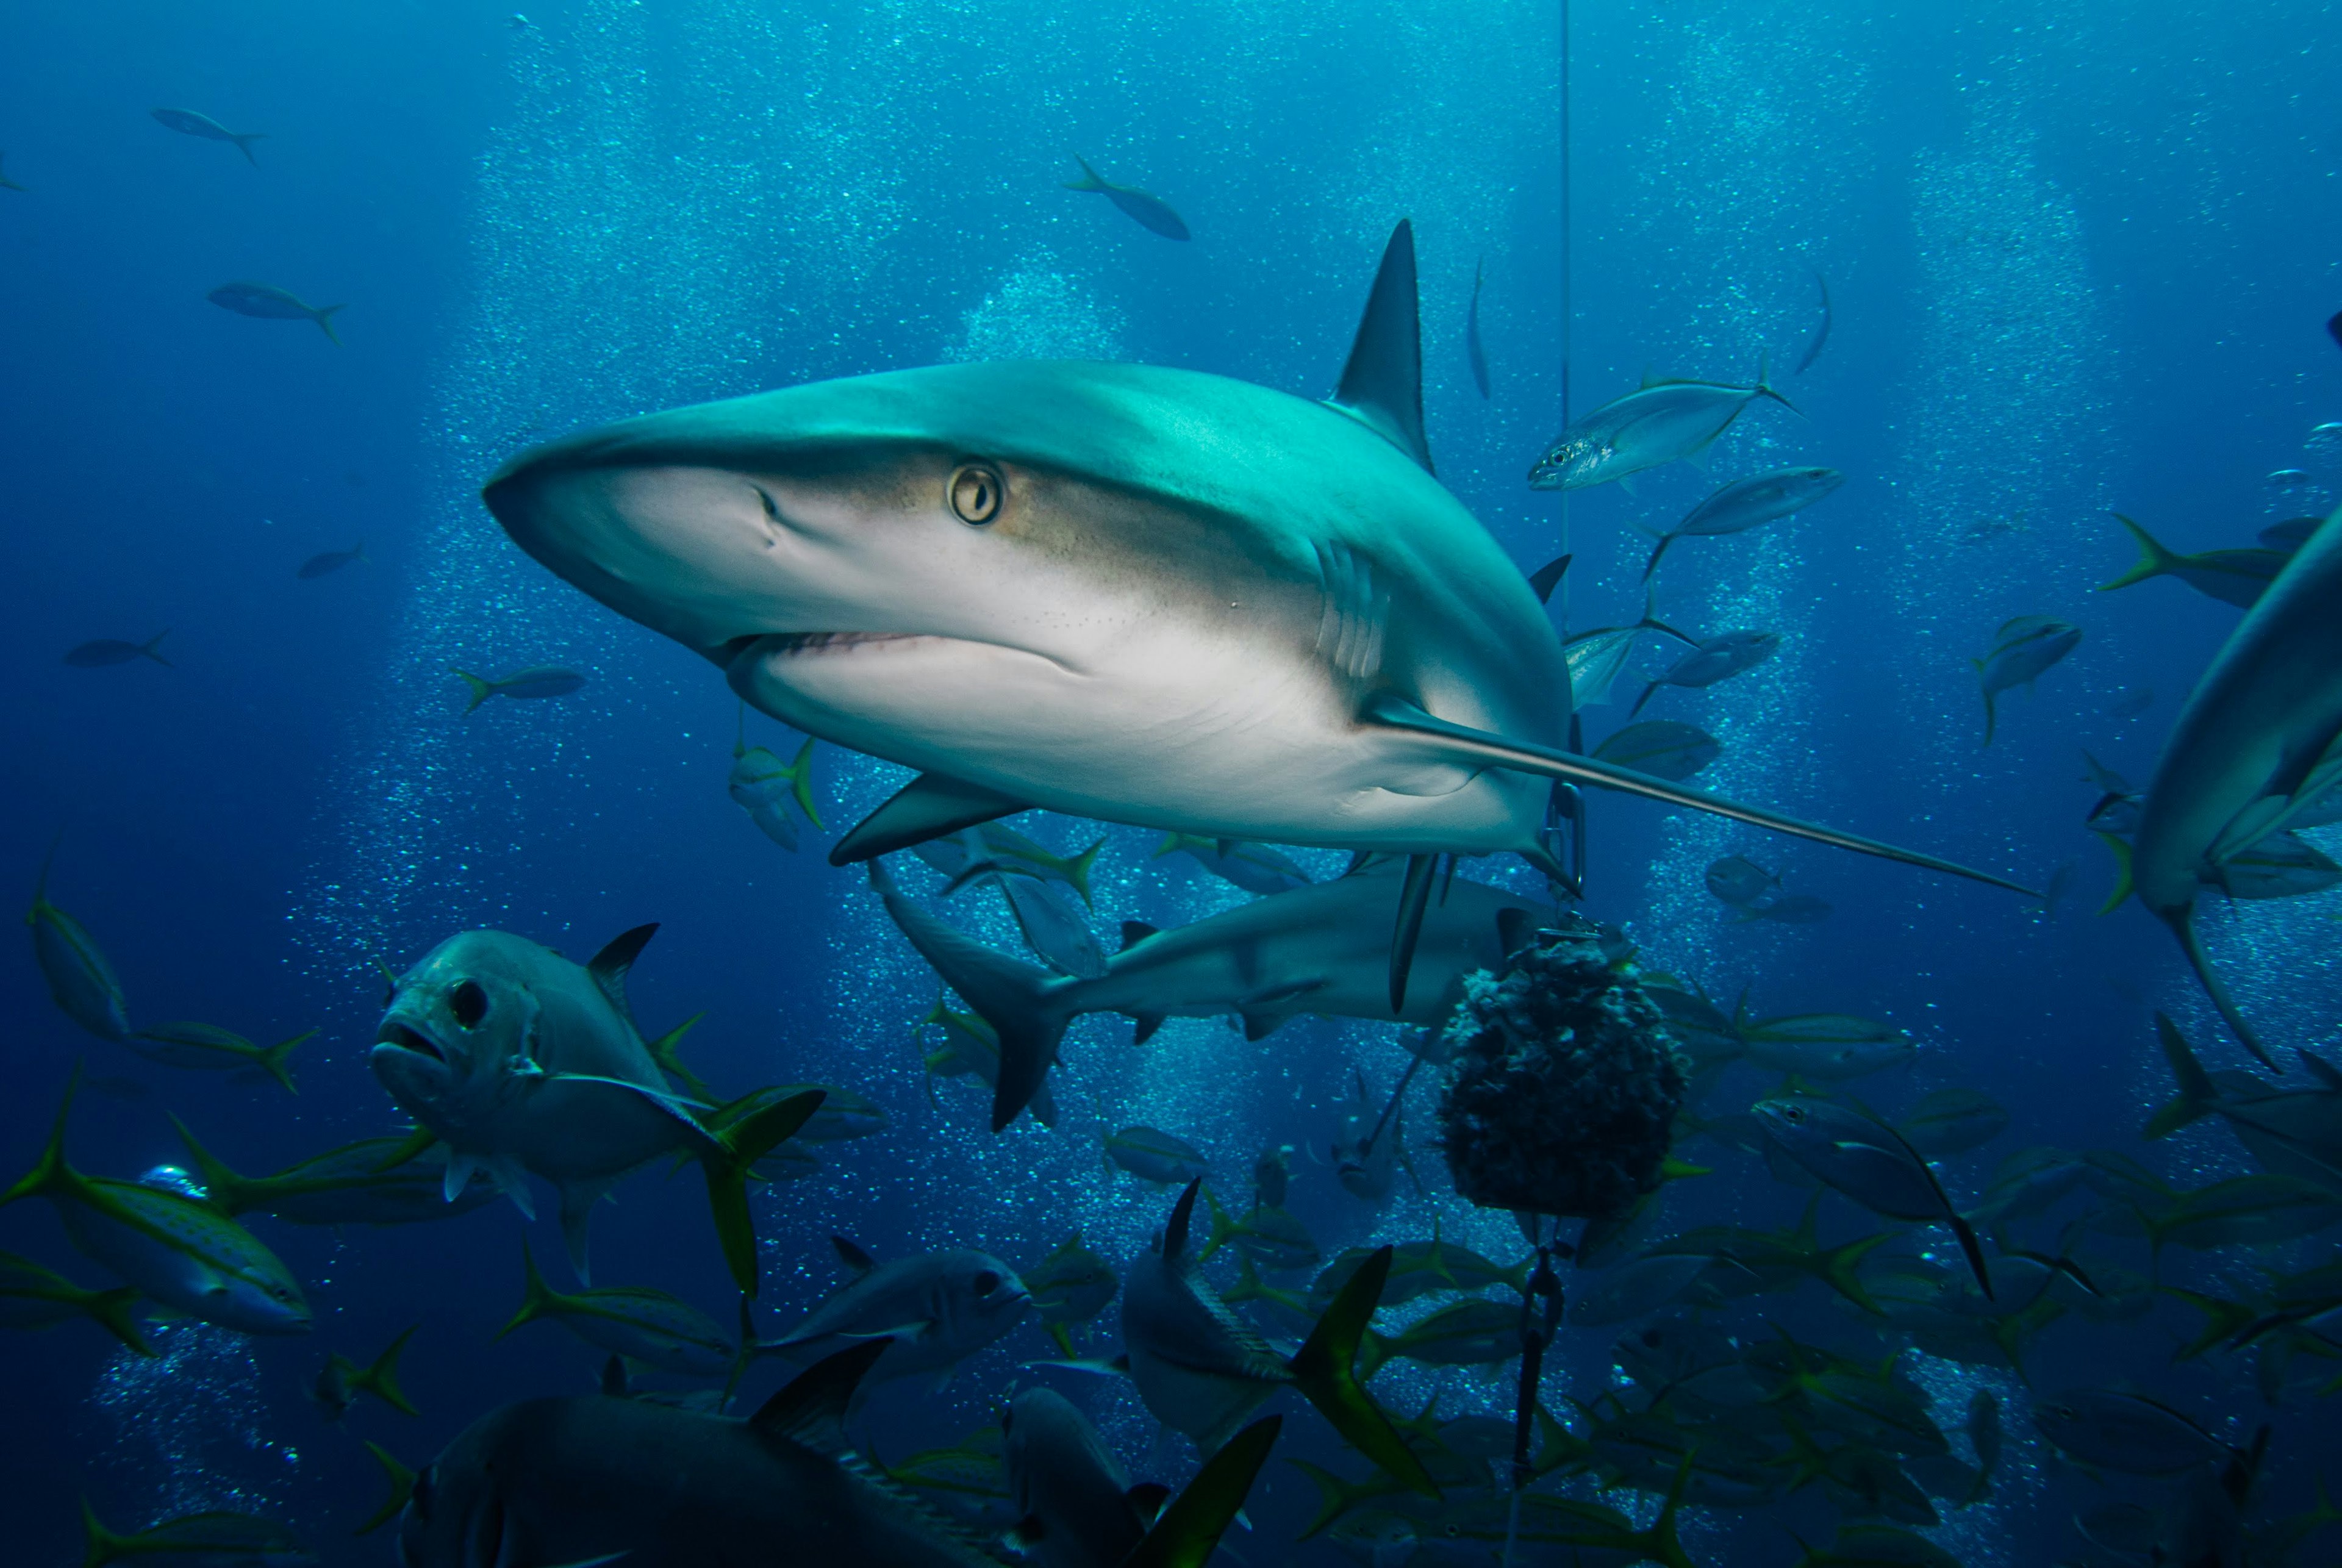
2080,256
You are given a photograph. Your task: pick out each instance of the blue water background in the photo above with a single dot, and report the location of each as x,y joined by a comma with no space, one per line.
2080,256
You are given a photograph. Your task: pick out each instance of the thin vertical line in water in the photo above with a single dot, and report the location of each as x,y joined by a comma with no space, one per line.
1568,307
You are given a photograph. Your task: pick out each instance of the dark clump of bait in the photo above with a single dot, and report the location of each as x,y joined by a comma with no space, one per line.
1565,1082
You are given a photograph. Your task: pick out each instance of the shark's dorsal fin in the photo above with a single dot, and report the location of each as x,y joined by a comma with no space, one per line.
930,806
852,1256
1175,1234
1382,386
609,966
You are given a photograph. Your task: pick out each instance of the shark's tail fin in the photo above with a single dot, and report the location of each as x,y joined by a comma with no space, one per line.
2197,1093
1324,1371
2154,559
401,1488
243,145
154,641
537,1298
379,1377
481,690
727,1167
1089,180
1188,1529
323,314
223,1190
272,1060
1011,995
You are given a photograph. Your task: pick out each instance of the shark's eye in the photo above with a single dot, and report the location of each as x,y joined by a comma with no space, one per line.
976,491
470,1004
985,1283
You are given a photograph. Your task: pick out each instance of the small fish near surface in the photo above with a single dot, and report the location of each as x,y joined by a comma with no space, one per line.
266,302
1658,422
2295,1131
2257,744
1746,504
176,1249
1712,660
1072,1285
763,786
934,1310
1739,880
526,1062
1791,909
2238,577
533,683
1254,867
2022,651
1595,658
1149,212
1155,1156
188,123
2125,1432
327,562
1828,1048
81,981
642,1325
1663,748
105,651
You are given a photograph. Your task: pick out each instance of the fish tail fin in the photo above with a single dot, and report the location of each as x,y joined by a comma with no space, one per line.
243,145
801,783
537,1298
1657,550
111,1310
2197,1093
1188,1529
401,1488
324,316
665,1051
727,1167
223,1189
380,1376
50,1173
1660,1543
1013,996
1324,1369
2120,849
100,1545
1089,180
1648,693
1974,1251
2184,928
1766,389
154,641
1077,871
2153,558
272,1060
1335,1496
481,690
1840,1268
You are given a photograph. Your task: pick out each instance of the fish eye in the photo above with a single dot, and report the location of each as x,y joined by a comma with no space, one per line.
976,491
987,1283
470,1004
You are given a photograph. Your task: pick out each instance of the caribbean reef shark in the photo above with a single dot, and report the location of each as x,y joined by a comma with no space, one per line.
1321,948
1126,592
2260,742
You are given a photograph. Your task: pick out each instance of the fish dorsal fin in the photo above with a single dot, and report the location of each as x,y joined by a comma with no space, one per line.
1175,1234
811,1410
852,1256
1382,386
609,966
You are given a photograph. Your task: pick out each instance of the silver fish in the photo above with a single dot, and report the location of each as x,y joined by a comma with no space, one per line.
1660,421
934,1310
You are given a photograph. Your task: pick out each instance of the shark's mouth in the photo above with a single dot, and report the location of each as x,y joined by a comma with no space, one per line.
816,642
406,1039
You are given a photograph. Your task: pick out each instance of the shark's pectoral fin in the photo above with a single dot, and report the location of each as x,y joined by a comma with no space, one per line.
1461,744
1382,384
930,806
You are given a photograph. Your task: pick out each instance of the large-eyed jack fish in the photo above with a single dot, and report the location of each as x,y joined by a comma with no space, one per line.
1126,592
